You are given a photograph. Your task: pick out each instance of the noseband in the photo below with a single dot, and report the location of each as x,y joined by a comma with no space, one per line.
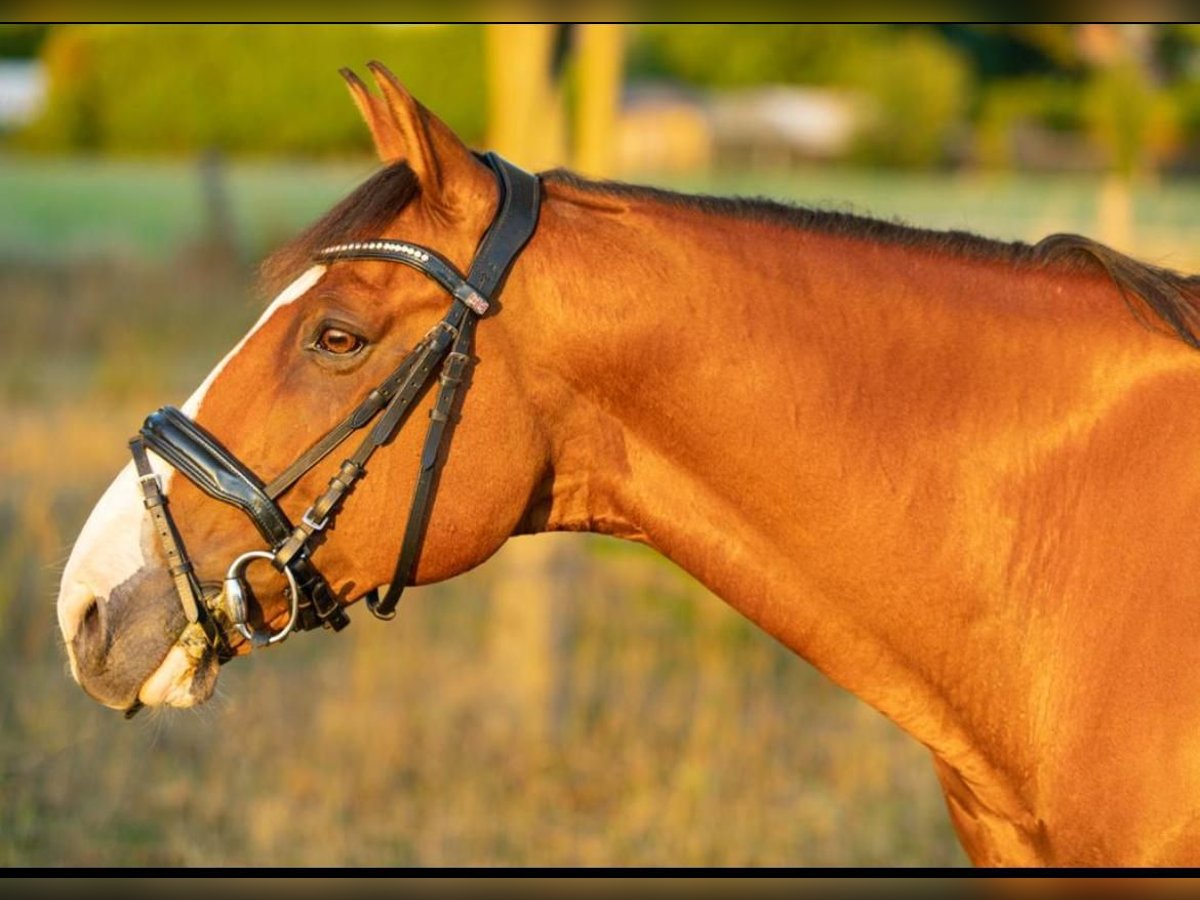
204,461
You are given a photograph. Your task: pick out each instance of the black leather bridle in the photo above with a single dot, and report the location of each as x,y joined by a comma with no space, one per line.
201,458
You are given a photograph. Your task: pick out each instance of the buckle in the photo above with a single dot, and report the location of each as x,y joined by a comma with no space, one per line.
152,476
453,368
439,329
315,526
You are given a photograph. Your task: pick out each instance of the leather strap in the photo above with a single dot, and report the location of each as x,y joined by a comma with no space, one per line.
511,229
453,371
421,258
358,418
319,606
178,565
513,226
389,423
424,357
155,501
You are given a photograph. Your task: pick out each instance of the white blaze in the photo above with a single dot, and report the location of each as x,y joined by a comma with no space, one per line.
108,550
290,294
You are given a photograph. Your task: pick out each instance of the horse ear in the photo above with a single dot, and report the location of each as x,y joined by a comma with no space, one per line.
404,129
375,112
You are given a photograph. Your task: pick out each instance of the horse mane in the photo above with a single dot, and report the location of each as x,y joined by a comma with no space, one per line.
1173,297
363,213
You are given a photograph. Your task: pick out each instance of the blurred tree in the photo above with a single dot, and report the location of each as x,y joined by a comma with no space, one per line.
1050,102
1178,52
527,122
22,41
742,55
916,82
1128,115
918,86
237,88
1001,52
934,83
530,619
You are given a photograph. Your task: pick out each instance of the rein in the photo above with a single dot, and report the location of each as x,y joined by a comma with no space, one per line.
204,461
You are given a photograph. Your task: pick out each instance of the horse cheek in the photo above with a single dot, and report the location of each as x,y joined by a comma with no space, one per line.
485,488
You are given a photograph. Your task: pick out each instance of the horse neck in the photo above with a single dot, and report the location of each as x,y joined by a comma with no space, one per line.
849,441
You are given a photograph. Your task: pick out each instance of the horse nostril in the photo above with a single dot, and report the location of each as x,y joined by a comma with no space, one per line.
77,604
89,642
91,617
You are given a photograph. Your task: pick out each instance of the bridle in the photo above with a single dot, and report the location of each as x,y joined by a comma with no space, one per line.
201,457
203,460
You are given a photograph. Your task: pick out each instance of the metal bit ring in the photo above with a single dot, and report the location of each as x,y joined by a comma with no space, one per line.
234,598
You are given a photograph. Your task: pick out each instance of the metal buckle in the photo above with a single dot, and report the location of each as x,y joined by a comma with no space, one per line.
314,526
439,328
373,599
152,476
454,367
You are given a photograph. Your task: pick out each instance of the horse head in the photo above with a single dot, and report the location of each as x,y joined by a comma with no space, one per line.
334,350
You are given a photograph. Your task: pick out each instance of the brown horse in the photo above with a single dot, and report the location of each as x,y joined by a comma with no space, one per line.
958,476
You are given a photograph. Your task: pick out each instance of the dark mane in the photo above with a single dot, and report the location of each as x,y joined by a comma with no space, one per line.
1173,297
364,213
1170,296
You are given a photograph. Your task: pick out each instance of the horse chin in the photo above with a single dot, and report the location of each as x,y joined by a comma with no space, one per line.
188,674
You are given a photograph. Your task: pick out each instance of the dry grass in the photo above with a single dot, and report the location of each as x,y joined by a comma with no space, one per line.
647,725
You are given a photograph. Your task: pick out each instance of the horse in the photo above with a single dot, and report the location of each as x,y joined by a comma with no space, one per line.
958,476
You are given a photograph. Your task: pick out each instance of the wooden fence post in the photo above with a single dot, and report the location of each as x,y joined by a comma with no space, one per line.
600,49
530,613
526,122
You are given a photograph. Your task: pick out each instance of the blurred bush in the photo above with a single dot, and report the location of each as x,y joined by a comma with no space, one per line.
1051,97
1185,100
21,41
1048,102
1133,121
915,84
241,88
722,56
918,87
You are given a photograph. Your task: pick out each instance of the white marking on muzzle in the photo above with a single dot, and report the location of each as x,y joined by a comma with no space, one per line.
108,550
172,682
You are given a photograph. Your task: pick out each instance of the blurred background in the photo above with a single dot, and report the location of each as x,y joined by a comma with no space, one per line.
576,700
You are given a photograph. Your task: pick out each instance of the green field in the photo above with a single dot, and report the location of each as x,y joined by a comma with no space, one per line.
150,209
635,720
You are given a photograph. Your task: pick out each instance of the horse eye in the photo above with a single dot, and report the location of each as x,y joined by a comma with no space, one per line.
339,342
